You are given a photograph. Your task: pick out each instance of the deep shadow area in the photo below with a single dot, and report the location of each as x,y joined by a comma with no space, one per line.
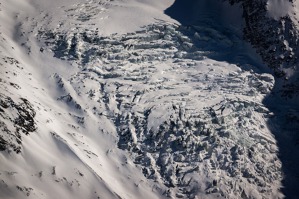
183,11
190,12
285,126
216,29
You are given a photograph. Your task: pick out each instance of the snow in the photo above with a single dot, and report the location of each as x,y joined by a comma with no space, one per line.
279,8
111,17
129,104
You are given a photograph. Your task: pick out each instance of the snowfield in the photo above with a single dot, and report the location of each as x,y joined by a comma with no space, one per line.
115,99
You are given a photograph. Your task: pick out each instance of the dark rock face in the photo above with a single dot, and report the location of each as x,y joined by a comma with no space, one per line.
268,35
277,43
275,40
16,118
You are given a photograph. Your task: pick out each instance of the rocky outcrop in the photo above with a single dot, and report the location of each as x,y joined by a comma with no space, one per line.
276,40
16,120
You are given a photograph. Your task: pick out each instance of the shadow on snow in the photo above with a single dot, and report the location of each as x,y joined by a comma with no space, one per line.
215,28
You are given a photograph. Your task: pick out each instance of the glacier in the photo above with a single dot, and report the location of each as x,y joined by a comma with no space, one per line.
148,99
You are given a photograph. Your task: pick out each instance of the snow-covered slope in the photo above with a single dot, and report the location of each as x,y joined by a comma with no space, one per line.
115,99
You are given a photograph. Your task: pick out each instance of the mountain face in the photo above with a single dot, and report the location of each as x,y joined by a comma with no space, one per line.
272,28
116,99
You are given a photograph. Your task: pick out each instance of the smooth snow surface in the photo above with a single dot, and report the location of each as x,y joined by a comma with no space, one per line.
108,16
279,8
114,99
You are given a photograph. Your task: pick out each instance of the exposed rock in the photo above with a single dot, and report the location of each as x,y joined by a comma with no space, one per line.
17,119
276,40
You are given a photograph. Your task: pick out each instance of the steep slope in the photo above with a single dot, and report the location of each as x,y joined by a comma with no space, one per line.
272,28
50,149
154,111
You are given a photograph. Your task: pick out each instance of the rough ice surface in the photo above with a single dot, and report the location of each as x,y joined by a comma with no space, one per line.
159,110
